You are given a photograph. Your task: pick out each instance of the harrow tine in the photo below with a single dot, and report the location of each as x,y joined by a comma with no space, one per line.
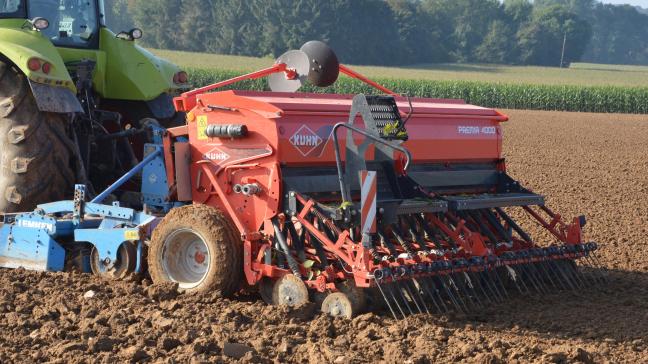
493,283
420,290
382,292
425,283
587,275
535,280
538,277
470,288
540,273
557,274
525,275
571,267
592,277
564,276
391,293
476,282
599,267
454,299
430,282
485,280
515,277
403,294
568,272
546,274
498,281
459,296
408,288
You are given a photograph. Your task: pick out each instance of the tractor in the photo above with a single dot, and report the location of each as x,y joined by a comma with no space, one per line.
75,99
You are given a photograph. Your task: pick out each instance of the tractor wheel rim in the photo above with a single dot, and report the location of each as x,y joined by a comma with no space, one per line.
186,258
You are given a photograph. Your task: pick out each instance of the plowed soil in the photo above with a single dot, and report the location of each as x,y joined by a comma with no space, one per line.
591,164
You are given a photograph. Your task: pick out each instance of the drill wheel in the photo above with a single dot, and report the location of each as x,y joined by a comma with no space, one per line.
123,267
196,246
289,290
338,304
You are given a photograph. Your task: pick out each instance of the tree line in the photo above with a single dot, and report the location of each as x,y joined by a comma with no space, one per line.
397,32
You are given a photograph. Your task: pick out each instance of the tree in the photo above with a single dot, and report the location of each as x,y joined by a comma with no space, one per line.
364,32
118,16
471,19
196,25
583,8
419,32
517,12
287,24
620,36
541,39
392,32
160,19
236,30
498,45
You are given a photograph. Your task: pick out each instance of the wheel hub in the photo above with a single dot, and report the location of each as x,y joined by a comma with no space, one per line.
186,258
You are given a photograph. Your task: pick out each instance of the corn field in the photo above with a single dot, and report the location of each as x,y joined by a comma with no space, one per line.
599,99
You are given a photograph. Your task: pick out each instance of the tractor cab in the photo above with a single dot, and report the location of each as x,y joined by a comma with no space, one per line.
67,23
72,23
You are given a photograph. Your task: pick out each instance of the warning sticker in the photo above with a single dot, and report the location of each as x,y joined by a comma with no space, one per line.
65,26
131,235
202,127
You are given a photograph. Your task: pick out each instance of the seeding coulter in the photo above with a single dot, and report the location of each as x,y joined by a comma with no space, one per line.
386,200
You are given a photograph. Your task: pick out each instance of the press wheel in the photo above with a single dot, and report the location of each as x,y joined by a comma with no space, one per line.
338,304
356,296
289,290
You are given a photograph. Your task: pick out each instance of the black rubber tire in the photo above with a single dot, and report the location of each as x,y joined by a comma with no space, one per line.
35,151
225,248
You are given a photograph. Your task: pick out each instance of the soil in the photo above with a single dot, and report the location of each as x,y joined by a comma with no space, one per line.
591,164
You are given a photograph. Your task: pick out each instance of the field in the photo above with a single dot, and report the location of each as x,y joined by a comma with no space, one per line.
585,88
581,74
585,163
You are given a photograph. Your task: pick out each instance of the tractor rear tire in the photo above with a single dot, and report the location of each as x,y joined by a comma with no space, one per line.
196,246
35,151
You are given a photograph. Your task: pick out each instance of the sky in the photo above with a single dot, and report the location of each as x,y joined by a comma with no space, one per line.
642,3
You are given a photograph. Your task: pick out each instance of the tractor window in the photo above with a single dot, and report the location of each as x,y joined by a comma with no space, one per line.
12,9
73,23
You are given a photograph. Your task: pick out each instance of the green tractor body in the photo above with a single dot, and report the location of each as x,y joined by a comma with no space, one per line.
94,90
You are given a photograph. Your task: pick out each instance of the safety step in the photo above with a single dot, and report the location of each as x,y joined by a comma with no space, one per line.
474,202
406,207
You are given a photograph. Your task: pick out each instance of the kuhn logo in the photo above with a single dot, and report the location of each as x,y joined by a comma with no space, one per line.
216,155
306,140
